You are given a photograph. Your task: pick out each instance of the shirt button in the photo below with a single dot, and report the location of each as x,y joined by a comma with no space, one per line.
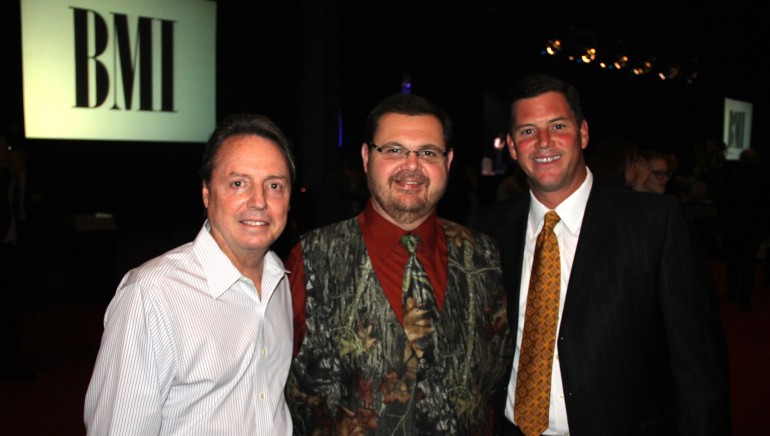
264,351
261,395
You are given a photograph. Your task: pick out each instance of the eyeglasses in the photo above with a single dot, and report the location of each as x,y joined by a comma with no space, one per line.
397,152
660,174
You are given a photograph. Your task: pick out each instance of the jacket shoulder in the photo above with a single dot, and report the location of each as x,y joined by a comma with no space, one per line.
490,216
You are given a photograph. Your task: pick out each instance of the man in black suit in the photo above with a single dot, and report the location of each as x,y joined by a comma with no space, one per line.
639,346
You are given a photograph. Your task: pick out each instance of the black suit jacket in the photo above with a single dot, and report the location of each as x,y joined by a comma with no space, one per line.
641,345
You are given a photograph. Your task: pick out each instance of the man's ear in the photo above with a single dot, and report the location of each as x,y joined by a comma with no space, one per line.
511,146
365,155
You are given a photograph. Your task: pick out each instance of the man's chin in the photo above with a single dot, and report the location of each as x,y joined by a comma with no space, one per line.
411,204
410,211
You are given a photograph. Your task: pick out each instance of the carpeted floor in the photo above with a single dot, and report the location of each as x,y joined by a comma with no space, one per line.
748,342
61,341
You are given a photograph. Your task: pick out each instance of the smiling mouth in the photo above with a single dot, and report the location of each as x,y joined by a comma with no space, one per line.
254,223
409,185
409,181
548,159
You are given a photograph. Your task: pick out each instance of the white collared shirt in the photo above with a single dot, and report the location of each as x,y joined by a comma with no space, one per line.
567,231
190,349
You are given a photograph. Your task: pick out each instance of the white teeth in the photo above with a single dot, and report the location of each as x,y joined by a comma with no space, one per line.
547,159
255,223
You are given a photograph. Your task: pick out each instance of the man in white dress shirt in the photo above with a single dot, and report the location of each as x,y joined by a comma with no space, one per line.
198,341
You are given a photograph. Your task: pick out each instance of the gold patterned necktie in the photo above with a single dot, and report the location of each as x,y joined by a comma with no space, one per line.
533,382
418,301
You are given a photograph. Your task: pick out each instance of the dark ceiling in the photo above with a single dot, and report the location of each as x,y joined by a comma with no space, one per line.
459,52
453,50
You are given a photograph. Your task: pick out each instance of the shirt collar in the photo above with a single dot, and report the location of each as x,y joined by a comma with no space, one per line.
388,235
220,272
571,210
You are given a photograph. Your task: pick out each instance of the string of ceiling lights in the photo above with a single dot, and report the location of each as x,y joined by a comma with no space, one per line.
612,54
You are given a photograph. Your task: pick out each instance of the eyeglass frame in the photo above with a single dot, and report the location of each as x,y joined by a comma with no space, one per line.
380,149
659,174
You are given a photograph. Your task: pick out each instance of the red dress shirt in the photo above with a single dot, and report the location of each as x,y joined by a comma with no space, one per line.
383,244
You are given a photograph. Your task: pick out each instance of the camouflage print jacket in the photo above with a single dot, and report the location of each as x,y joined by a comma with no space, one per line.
356,372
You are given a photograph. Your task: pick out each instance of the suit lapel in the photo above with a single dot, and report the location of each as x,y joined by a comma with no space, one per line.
596,234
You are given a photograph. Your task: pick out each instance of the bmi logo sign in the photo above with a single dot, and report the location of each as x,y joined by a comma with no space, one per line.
141,70
133,65
737,127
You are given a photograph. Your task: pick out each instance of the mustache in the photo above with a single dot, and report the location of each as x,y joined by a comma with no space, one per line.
411,175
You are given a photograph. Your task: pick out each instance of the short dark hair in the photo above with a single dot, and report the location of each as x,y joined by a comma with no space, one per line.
244,124
407,104
538,84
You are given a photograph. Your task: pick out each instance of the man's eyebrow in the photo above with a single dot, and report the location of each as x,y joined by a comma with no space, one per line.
277,176
551,121
419,147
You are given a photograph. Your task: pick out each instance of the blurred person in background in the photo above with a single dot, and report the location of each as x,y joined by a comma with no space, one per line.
659,175
745,222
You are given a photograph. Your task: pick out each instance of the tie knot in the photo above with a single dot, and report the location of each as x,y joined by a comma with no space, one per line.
551,218
409,241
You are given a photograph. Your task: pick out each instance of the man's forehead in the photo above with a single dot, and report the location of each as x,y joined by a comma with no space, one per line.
403,124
